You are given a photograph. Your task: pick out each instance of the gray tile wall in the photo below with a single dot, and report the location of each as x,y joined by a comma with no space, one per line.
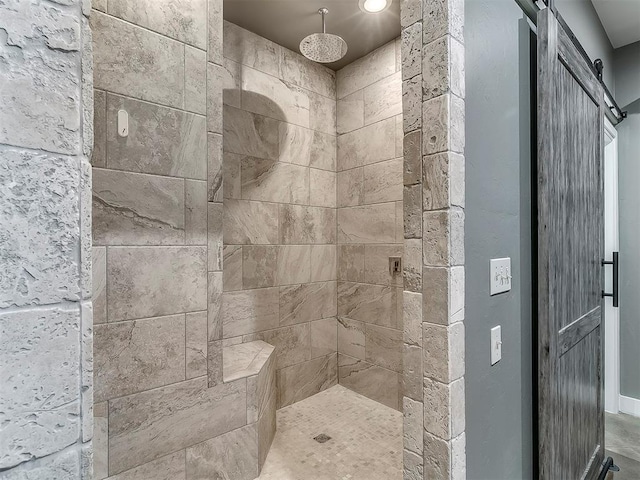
279,171
369,220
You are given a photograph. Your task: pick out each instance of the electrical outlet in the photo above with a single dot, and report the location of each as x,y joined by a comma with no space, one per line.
500,275
496,344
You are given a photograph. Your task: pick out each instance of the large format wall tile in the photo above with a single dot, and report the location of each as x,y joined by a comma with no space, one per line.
383,347
195,80
323,263
383,99
322,188
259,266
136,209
250,134
293,344
304,225
271,97
270,181
324,337
145,426
376,264
300,381
351,337
374,304
248,222
153,281
322,112
370,380
351,263
130,357
183,21
310,75
249,49
99,284
306,147
169,467
383,181
249,311
367,145
134,61
306,302
161,140
350,112
294,264
377,65
233,455
196,344
367,224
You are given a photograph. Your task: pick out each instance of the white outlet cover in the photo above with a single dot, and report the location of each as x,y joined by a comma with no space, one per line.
500,275
496,344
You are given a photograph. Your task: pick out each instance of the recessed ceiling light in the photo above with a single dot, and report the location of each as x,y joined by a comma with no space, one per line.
374,6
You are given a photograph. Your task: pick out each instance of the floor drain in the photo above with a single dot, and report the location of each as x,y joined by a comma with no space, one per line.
322,438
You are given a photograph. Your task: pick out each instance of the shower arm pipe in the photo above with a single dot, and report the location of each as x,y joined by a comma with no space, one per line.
323,11
531,9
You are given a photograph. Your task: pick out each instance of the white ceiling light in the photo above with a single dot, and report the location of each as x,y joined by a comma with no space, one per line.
374,6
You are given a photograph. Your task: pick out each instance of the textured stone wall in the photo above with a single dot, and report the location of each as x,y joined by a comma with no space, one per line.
369,193
46,135
279,168
433,99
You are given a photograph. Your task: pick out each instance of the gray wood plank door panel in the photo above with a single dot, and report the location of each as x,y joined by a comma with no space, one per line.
570,249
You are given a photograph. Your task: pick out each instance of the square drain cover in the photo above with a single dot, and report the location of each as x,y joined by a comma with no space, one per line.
322,438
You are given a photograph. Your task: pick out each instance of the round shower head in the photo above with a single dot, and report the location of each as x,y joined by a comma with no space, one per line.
323,47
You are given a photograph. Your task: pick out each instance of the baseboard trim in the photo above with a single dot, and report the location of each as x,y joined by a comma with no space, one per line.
630,405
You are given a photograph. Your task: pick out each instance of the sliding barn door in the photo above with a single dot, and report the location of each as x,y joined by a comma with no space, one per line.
570,249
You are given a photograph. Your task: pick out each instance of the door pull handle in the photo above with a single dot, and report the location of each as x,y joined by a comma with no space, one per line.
615,264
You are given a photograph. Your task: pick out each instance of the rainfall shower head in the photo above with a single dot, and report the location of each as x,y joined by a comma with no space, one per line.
323,47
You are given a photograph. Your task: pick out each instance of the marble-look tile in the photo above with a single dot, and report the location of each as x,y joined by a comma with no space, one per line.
368,303
323,263
100,440
383,347
269,96
195,221
367,70
398,43
294,264
261,387
399,136
300,381
195,80
307,225
323,151
196,344
306,302
99,284
383,181
292,344
267,428
351,339
215,226
304,73
215,29
130,357
370,380
295,144
169,467
183,22
247,359
233,455
252,50
324,337
271,181
153,281
259,265
231,180
215,172
250,311
134,61
216,77
367,224
351,263
147,425
322,188
232,272
246,133
350,187
161,140
248,222
136,209
350,112
376,264
322,113
232,83
99,5
383,99
367,145
99,155
215,367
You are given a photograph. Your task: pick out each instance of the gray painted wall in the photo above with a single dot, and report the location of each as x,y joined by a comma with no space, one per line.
583,20
627,75
497,224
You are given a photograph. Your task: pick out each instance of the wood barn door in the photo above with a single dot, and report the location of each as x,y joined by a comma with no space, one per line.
570,250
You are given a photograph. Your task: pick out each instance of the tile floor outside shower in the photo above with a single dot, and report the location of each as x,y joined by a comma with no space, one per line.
365,439
622,441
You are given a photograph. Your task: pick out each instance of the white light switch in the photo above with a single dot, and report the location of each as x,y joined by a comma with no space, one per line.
496,344
123,123
500,275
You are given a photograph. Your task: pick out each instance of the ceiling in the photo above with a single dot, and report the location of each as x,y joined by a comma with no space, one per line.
620,19
286,22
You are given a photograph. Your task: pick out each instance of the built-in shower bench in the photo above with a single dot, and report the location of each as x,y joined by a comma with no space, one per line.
256,362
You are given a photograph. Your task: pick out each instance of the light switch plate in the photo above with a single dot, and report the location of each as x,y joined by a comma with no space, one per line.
496,344
500,275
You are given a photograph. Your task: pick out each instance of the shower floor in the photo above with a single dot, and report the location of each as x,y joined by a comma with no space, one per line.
365,444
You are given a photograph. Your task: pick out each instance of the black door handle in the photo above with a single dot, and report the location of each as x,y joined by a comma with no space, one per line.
615,279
